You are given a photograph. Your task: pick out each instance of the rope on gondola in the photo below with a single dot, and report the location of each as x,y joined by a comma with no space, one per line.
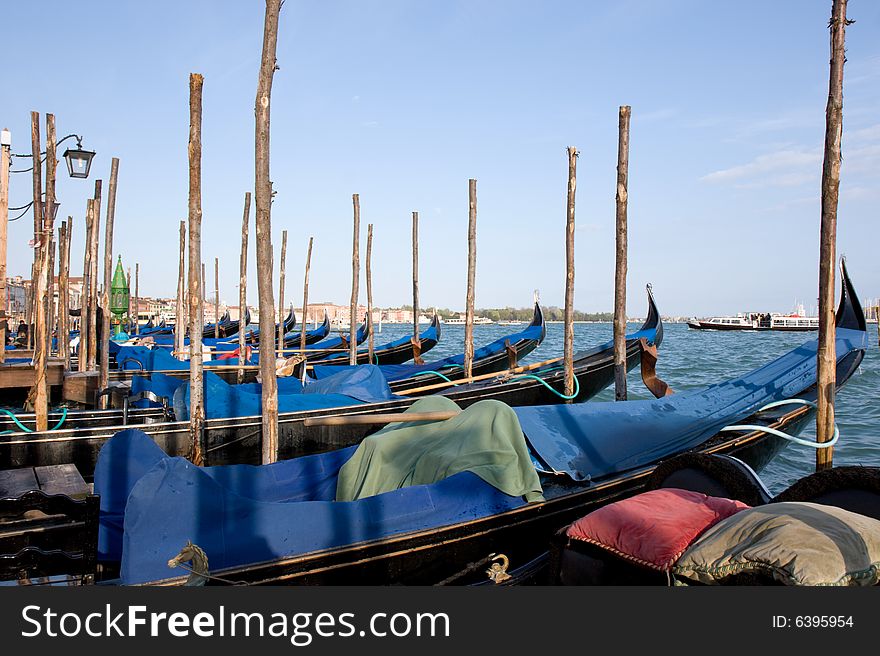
786,436
25,428
577,386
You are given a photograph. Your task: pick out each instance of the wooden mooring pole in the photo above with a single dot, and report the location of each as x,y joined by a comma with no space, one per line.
204,296
281,276
568,345
302,333
50,293
355,271
83,348
43,244
242,287
620,257
137,298
93,277
416,342
216,298
5,157
179,312
37,182
196,280
104,376
263,202
64,291
471,279
826,355
370,341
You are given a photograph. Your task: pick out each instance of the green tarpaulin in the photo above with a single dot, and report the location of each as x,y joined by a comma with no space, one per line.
485,439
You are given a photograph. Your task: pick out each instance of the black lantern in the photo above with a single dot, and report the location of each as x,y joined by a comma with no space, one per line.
55,206
79,161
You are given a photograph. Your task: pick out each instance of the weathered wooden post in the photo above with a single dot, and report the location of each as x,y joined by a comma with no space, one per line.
281,276
303,329
179,314
216,298
108,266
242,288
5,155
355,271
43,244
471,278
93,278
137,298
827,355
263,202
416,342
82,357
204,289
620,259
568,346
50,292
64,291
130,296
196,297
37,180
370,343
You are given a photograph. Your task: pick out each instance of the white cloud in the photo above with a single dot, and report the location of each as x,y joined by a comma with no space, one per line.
786,168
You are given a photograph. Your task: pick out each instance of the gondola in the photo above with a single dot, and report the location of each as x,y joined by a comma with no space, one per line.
292,339
237,440
503,353
590,454
227,327
396,352
253,336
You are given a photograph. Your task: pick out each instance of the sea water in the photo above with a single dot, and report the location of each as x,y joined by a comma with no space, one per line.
690,359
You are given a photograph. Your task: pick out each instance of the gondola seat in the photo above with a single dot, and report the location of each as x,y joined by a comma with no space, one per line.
637,538
838,508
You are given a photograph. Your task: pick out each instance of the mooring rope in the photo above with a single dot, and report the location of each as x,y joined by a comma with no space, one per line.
577,386
778,433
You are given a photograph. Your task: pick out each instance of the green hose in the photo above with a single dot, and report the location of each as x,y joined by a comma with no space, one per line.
25,428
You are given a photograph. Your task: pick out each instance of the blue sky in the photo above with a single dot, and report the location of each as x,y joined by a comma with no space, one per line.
402,102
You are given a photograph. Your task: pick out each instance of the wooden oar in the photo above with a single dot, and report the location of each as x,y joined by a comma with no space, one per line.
386,418
515,370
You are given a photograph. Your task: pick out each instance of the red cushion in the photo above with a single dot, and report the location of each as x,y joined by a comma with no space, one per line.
653,528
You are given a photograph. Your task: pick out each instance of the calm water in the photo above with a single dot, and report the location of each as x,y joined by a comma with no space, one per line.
691,359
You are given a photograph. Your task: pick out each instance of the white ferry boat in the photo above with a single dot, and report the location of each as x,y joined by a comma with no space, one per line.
757,321
460,321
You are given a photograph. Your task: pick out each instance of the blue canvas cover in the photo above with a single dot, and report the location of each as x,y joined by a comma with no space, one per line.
158,384
143,358
351,387
243,514
594,440
429,333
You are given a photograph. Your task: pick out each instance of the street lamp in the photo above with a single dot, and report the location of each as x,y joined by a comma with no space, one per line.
79,161
55,206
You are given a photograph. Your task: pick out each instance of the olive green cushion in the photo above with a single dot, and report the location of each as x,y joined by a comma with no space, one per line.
797,543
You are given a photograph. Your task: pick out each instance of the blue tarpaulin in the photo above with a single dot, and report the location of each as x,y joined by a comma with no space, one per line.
244,514
350,387
600,439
